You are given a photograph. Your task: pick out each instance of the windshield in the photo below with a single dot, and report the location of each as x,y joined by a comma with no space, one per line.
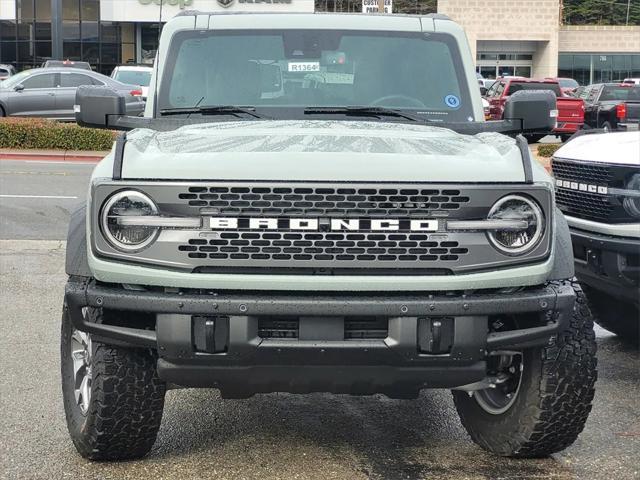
615,92
134,77
517,86
15,80
288,70
568,83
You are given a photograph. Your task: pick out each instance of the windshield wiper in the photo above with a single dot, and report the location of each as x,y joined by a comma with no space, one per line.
364,111
214,110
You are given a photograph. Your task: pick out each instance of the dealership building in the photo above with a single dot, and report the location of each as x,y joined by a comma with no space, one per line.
507,37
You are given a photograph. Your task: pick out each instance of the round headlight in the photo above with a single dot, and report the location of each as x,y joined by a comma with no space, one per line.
516,207
632,204
123,236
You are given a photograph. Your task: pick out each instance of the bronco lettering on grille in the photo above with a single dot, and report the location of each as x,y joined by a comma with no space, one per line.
323,224
582,187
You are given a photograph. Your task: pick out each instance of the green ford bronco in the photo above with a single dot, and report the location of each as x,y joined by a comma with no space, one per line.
314,203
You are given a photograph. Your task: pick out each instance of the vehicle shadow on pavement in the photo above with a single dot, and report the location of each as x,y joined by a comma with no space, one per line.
313,436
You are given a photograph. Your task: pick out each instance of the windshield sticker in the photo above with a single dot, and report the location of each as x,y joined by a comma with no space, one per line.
338,78
304,66
452,101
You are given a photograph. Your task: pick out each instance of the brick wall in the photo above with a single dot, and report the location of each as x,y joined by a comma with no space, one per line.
534,20
596,38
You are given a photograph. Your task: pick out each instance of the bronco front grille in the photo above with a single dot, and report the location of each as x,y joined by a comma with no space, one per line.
574,198
255,227
351,202
581,172
591,206
321,246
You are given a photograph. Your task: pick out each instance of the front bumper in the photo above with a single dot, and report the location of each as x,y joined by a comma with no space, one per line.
236,356
607,263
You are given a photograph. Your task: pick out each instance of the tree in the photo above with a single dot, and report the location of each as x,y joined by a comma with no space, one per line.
601,12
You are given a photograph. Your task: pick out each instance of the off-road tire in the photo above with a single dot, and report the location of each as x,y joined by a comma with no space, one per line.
127,399
554,399
619,317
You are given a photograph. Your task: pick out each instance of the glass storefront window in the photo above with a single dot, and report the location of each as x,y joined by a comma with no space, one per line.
8,51
598,67
91,52
43,31
110,32
505,71
72,51
43,11
89,10
89,31
8,30
581,69
71,10
42,52
487,72
70,31
25,10
602,68
523,72
109,53
25,52
635,66
149,42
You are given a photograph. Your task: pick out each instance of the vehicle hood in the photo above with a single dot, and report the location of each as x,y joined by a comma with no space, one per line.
320,150
621,148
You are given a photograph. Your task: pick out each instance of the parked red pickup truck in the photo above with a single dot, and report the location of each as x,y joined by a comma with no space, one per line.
570,109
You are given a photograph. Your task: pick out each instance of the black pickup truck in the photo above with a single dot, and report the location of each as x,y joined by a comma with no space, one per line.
611,106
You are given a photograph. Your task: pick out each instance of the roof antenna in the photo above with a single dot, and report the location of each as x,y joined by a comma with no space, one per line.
156,65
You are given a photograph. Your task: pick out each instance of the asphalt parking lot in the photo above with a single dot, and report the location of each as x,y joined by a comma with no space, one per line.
277,436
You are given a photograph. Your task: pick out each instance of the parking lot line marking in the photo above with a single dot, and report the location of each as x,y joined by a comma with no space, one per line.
38,196
55,162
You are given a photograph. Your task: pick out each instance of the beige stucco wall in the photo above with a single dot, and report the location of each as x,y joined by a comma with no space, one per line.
599,39
534,20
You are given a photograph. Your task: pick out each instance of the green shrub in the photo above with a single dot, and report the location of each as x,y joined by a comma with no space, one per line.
44,134
548,149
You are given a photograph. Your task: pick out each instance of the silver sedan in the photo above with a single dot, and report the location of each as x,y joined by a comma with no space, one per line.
51,92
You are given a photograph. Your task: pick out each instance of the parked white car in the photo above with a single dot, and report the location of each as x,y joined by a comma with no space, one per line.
598,190
134,75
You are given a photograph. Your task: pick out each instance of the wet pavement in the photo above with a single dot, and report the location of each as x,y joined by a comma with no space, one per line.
277,436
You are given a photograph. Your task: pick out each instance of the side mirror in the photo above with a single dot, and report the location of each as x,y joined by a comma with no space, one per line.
535,109
19,87
483,91
98,107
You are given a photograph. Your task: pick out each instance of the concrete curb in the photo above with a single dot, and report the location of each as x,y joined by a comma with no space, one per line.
53,155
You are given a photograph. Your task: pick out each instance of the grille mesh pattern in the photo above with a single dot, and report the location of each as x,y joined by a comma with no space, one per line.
591,206
349,202
320,246
580,172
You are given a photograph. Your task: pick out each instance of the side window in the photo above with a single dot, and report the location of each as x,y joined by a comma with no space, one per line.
500,89
593,94
76,79
40,81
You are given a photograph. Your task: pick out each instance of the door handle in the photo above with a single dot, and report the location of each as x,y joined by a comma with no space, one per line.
51,94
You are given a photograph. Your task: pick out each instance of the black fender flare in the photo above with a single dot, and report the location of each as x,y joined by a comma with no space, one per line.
563,266
76,262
